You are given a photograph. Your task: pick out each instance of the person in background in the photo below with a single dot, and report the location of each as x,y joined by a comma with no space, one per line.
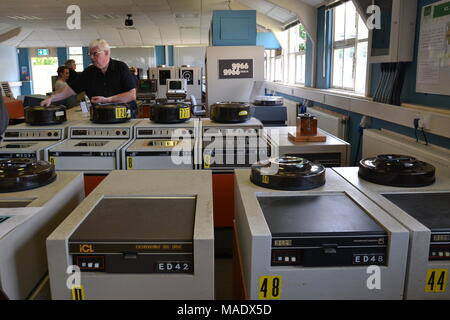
135,73
63,75
105,81
71,64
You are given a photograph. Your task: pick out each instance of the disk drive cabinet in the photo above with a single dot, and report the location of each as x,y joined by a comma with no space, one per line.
334,152
331,242
163,73
425,212
26,219
144,234
231,72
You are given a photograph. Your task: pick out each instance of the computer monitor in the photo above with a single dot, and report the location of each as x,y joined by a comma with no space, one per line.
176,84
147,86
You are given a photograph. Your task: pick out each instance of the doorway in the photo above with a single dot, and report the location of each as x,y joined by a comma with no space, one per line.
43,68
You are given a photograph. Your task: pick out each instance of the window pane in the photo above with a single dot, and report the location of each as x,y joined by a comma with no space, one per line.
75,50
300,69
361,68
350,20
278,69
338,65
363,32
349,80
291,68
78,61
272,69
339,23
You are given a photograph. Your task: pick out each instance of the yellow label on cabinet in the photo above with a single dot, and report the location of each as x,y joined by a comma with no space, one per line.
207,161
77,293
185,113
129,163
436,280
121,113
269,287
52,160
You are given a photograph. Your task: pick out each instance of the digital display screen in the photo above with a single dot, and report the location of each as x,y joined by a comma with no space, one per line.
440,238
91,144
147,85
175,85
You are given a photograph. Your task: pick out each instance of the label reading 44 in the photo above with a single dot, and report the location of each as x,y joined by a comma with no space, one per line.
436,280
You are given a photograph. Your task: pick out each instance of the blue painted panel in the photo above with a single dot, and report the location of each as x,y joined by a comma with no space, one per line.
160,55
62,56
267,40
308,62
234,28
86,58
25,71
323,47
170,54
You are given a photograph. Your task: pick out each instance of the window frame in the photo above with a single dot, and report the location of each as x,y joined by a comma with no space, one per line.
72,56
345,44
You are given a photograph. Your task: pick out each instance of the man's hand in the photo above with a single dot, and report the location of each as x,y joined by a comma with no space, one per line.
46,102
100,99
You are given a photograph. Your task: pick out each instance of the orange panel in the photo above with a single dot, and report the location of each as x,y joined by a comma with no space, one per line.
223,197
91,181
144,111
14,108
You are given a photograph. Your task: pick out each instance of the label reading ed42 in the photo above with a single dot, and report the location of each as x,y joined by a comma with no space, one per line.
436,280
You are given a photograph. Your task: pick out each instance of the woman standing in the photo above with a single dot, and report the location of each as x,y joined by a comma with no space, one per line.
63,75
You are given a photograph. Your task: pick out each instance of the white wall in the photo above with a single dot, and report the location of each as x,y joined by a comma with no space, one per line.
9,66
193,56
135,57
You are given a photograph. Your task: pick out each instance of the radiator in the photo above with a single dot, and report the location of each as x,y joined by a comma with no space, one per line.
332,122
376,142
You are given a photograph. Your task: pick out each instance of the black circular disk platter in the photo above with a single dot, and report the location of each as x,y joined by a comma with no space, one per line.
231,112
268,101
397,171
170,113
42,116
24,174
288,173
107,113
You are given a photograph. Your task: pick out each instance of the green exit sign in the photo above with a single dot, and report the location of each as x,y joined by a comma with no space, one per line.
42,52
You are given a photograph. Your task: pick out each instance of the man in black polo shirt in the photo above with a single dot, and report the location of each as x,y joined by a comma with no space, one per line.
105,81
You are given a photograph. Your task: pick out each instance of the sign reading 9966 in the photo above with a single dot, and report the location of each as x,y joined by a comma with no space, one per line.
236,69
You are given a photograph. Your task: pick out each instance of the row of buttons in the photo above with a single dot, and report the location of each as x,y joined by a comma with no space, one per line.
90,265
287,259
441,254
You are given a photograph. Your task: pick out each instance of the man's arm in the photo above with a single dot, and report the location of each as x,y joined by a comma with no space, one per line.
61,94
123,97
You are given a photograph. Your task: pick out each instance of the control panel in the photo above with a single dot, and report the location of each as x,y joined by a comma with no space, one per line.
109,132
34,134
164,133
